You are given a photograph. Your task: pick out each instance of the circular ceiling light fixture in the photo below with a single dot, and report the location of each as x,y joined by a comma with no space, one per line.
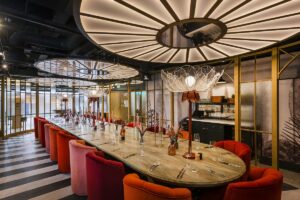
180,31
61,82
86,69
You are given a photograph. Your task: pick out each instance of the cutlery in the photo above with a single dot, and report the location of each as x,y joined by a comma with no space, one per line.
230,164
116,149
153,167
179,174
130,155
182,174
215,173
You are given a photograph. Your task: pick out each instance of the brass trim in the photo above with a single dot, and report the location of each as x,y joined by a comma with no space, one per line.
221,52
2,106
265,20
129,100
116,21
126,42
257,11
140,11
172,108
237,99
140,47
234,9
192,8
275,133
170,10
230,45
213,8
202,54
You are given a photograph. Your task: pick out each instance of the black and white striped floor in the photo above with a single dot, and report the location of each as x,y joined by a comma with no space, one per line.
26,172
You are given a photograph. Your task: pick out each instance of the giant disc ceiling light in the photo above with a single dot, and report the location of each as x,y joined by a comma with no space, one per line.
61,82
86,69
180,31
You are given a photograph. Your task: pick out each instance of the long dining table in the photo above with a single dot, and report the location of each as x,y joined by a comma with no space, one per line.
150,158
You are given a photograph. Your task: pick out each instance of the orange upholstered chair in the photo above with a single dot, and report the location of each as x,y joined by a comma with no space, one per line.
262,184
53,130
240,149
47,137
184,134
135,188
78,151
41,130
63,151
36,126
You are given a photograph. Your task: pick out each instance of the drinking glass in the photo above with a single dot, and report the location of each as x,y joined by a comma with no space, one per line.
197,139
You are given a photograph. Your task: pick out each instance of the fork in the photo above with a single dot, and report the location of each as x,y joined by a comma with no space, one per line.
153,167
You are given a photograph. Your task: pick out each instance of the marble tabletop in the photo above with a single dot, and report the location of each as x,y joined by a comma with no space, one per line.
217,167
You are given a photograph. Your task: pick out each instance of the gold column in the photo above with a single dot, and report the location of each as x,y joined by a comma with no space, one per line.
102,107
73,100
237,99
275,135
37,100
162,104
172,108
2,106
109,101
129,101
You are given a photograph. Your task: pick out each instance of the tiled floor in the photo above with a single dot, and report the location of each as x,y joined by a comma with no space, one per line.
26,172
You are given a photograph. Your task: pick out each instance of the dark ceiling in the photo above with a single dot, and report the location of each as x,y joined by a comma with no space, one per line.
32,30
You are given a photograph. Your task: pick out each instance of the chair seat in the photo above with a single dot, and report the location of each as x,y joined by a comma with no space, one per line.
135,188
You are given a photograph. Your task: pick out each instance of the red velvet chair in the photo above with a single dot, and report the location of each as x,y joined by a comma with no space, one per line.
104,177
262,184
41,130
36,126
78,151
47,137
53,130
63,151
240,149
133,124
135,188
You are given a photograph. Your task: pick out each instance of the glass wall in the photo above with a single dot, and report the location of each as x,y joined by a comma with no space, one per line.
20,103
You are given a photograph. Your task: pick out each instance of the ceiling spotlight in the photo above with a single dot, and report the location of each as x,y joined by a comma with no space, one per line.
4,66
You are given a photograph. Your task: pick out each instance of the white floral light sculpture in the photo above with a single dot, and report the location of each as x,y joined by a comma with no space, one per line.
190,80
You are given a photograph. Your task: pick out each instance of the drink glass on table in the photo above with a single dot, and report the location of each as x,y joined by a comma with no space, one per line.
197,139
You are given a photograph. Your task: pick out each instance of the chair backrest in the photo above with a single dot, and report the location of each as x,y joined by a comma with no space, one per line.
240,149
78,151
104,177
135,188
63,151
263,184
157,129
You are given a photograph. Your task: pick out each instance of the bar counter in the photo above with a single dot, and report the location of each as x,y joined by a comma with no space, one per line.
218,166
